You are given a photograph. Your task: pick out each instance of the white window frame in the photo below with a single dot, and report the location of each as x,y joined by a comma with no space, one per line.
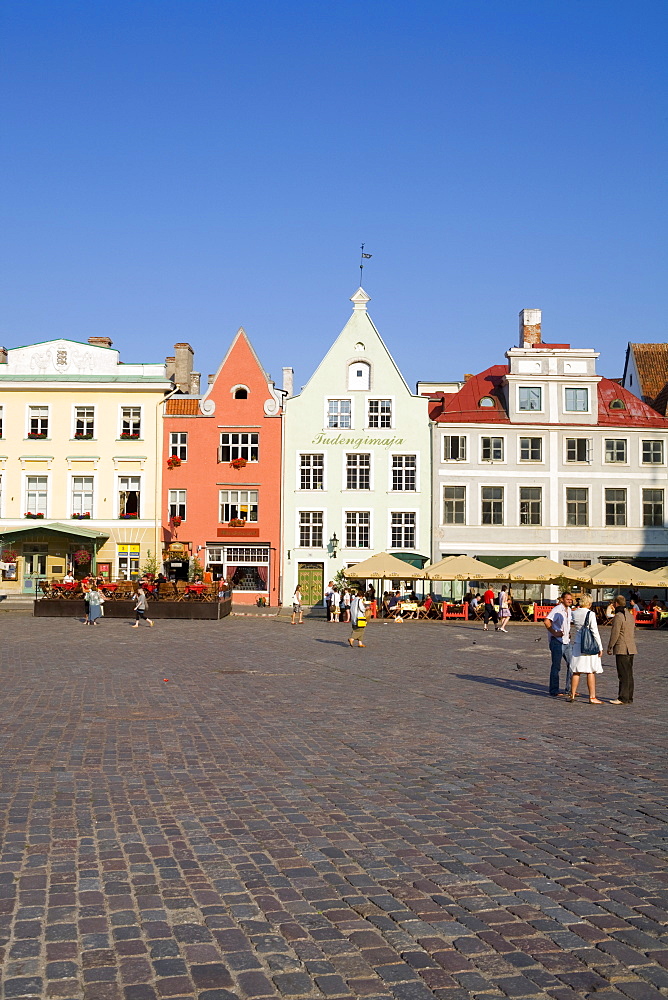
494,461
531,461
577,486
504,501
311,510
390,470
177,503
589,451
240,446
606,461
604,502
454,524
38,406
538,409
462,437
131,406
117,495
248,502
2,422
298,483
577,388
24,491
403,510
381,399
530,486
70,492
344,473
339,399
83,406
652,465
179,446
344,528
664,493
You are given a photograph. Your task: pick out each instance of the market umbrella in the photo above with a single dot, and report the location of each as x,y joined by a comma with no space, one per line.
543,570
660,576
621,574
461,568
384,566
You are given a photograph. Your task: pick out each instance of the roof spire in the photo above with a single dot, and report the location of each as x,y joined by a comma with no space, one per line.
359,300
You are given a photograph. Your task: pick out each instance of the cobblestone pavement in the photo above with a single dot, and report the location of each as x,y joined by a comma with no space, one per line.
249,809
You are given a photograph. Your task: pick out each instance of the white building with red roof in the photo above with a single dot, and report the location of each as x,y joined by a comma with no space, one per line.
544,457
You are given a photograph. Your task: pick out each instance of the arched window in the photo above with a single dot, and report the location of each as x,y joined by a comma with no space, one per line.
359,375
240,392
486,401
617,404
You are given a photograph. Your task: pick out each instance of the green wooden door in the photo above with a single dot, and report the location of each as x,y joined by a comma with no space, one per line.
311,577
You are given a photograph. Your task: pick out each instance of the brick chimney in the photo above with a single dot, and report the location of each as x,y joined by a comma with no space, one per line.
183,366
3,355
468,376
530,321
195,383
100,341
288,380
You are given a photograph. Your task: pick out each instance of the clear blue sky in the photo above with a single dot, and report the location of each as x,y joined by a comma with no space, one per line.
173,169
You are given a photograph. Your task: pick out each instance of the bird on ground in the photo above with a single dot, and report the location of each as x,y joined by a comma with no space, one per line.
518,666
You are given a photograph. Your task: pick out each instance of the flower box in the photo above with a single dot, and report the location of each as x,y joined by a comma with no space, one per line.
81,517
173,462
238,463
237,522
34,436
127,436
127,517
34,515
79,436
176,521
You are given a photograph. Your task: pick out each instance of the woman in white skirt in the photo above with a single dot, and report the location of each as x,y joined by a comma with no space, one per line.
588,665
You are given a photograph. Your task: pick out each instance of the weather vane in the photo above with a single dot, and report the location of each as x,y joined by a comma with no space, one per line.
365,256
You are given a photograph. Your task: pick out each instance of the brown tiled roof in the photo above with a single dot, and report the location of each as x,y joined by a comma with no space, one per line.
182,407
652,364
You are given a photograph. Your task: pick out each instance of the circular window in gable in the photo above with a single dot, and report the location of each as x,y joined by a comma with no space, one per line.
486,401
617,404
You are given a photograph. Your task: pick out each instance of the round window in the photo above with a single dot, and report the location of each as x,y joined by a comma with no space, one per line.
486,401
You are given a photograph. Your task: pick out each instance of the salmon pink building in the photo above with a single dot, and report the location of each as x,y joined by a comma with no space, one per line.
222,474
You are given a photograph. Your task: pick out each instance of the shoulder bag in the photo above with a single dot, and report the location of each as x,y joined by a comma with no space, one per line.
588,644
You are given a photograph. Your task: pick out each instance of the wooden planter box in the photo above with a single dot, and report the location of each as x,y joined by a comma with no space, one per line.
189,610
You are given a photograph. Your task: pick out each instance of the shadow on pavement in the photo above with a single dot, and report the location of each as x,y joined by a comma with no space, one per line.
524,687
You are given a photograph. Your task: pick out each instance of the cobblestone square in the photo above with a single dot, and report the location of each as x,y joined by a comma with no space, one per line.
248,809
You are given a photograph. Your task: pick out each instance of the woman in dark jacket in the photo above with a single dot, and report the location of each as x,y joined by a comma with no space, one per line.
622,643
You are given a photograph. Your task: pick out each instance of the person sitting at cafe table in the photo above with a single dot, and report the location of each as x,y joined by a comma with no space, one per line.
68,578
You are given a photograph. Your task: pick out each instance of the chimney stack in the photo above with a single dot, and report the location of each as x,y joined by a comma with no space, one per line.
211,379
183,366
288,380
468,376
100,341
530,321
3,355
194,383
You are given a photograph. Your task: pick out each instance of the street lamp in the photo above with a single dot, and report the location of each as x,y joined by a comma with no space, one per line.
334,544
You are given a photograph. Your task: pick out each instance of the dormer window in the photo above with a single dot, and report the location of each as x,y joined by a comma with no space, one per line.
240,392
617,404
486,401
359,375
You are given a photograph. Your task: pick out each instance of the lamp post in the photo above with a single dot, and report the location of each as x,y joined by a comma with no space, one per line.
334,542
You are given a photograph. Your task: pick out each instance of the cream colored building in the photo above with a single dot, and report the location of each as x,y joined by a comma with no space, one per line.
80,462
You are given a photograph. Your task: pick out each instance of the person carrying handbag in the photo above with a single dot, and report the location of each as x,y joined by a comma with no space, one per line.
587,650
357,620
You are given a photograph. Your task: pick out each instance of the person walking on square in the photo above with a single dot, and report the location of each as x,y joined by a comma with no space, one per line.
297,609
489,609
589,664
622,642
558,624
336,604
141,607
329,591
94,600
357,616
504,609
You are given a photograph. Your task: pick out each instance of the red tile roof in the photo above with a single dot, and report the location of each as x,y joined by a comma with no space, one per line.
182,407
652,366
462,406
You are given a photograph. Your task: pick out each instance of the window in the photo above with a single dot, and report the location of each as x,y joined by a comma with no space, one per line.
577,506
359,375
238,504
1,427
84,422
39,422
615,450
36,487
531,449
403,530
241,392
247,567
578,450
454,505
491,449
239,445
82,495
338,413
576,400
615,507
492,505
178,445
358,472
310,529
652,508
380,413
486,402
454,448
530,398
404,468
357,529
531,505
311,472
652,453
130,421
177,504
129,496
617,404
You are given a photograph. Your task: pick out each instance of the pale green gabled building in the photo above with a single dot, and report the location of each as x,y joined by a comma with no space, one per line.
356,463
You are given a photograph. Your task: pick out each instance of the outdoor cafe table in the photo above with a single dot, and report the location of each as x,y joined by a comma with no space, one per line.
195,588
